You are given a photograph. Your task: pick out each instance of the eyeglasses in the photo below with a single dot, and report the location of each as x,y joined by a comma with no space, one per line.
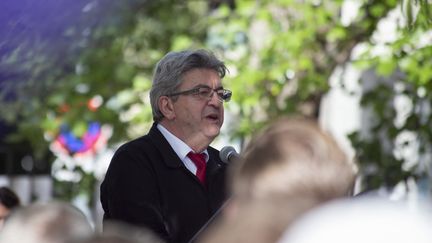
205,92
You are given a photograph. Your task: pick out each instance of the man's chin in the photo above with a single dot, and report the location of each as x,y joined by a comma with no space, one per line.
213,131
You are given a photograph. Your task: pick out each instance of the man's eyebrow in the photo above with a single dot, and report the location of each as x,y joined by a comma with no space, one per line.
201,86
206,86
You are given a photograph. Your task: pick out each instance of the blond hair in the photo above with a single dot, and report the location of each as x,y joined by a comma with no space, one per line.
292,157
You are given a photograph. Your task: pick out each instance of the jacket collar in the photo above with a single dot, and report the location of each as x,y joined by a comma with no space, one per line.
170,158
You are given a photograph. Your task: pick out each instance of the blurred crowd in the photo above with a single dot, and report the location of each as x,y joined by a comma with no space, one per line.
292,184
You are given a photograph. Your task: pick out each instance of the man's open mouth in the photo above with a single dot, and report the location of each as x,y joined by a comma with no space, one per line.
213,117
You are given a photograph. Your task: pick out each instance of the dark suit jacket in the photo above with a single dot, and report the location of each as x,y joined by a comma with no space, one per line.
148,185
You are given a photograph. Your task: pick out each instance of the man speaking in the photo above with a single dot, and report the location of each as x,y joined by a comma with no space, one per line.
170,180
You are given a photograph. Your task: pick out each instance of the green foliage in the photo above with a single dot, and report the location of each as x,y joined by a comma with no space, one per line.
408,68
113,60
280,53
283,53
418,13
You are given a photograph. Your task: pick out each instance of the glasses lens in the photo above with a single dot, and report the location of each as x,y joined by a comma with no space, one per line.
224,94
205,92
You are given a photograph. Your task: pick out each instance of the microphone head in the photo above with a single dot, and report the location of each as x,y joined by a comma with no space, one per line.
227,153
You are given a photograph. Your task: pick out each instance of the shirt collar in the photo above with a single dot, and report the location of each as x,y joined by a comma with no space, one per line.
180,147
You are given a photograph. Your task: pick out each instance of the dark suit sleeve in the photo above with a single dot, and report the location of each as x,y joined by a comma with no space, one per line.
130,192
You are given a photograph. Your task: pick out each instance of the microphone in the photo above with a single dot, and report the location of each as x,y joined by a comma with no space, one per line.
228,154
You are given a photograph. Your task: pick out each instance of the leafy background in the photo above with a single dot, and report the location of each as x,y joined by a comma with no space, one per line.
57,55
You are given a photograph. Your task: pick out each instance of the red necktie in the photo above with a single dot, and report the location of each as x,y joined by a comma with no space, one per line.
200,163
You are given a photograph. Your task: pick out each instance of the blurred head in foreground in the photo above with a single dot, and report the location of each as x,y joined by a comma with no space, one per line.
362,220
53,222
8,202
257,222
116,232
287,169
292,157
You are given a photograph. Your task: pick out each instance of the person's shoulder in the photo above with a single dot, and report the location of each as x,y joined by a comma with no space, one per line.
135,144
134,153
131,151
150,140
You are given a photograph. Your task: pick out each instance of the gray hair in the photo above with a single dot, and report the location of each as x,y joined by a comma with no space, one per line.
169,72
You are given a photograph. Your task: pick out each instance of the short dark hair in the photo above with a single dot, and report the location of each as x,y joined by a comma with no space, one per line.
8,198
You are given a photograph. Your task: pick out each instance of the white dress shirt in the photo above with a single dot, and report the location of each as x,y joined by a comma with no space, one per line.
181,149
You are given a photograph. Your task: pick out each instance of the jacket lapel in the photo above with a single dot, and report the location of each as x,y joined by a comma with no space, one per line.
169,156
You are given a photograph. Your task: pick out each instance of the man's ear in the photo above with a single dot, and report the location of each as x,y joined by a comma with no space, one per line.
166,107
